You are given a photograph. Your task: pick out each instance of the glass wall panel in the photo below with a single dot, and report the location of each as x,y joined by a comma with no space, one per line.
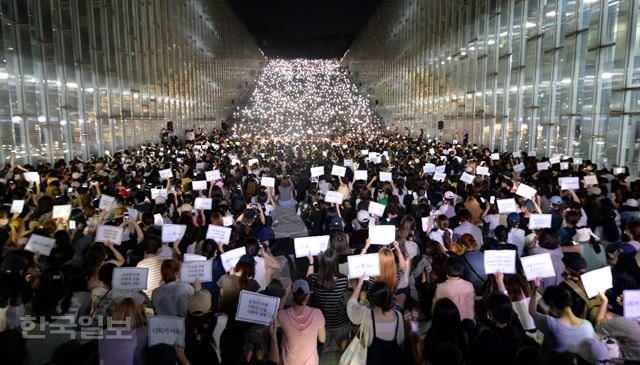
81,77
550,76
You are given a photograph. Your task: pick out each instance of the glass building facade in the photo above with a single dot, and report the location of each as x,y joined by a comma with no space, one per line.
550,76
82,77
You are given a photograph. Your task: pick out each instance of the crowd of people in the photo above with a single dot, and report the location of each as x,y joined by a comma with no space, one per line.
432,303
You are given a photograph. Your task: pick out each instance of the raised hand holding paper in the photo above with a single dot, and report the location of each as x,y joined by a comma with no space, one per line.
256,308
631,303
269,182
129,278
219,234
203,203
334,197
317,171
567,183
506,206
359,265
199,185
338,170
538,266
111,234
61,211
376,209
213,175
596,281
40,244
385,176
467,178
540,221
229,259
106,202
500,260
173,232
166,330
382,235
190,271
360,175
526,191
314,245
165,174
17,206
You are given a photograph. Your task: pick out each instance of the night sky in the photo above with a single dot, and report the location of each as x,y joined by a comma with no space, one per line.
305,28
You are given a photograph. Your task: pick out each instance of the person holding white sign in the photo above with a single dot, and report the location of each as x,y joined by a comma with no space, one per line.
171,297
383,324
563,330
303,327
241,277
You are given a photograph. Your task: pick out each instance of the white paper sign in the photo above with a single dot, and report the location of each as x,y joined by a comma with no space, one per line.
506,206
17,206
542,166
269,182
429,168
554,160
158,220
228,220
61,211
230,258
385,176
203,203
597,281
334,197
253,161
200,166
324,187
359,265
315,245
439,176
31,176
199,185
256,308
158,193
631,303
567,183
167,330
188,257
129,278
317,171
526,191
517,154
133,213
564,166
348,163
467,178
382,235
338,170
196,270
500,260
40,244
376,209
111,234
483,170
540,221
495,156
518,168
106,202
360,175
166,173
590,180
173,232
219,234
212,175
441,168
577,161
538,266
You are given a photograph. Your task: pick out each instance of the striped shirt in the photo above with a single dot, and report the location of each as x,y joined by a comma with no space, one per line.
154,264
331,303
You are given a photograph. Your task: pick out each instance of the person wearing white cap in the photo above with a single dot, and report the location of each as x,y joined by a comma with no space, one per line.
303,327
448,205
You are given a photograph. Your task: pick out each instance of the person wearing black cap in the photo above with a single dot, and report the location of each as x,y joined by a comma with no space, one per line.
250,222
583,307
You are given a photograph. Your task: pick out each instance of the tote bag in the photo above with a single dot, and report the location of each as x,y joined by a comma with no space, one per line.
356,352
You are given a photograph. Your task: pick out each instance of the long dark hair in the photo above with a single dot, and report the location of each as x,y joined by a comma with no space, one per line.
328,269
